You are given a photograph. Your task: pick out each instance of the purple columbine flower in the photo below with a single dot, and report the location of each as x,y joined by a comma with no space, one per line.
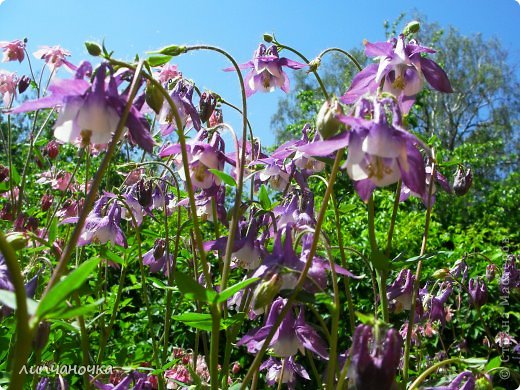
266,71
156,258
401,290
202,156
434,305
464,381
289,375
374,359
477,291
439,178
90,113
510,278
100,229
401,68
292,334
182,95
13,51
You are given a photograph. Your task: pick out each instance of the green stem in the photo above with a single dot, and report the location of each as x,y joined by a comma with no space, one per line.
303,275
24,333
350,56
392,220
334,329
91,197
430,370
411,319
84,343
215,334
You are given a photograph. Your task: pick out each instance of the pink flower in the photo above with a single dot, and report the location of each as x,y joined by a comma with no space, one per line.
168,73
13,51
54,57
8,83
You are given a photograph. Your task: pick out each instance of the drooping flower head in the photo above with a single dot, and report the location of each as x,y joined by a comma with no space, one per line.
8,83
401,290
89,112
477,291
374,360
286,373
181,95
266,71
401,69
13,51
55,57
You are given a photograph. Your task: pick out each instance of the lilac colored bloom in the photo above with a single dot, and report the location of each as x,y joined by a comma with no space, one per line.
100,229
46,384
510,278
439,178
202,156
401,67
292,334
477,291
54,57
266,71
8,83
374,359
290,370
168,73
181,95
13,51
156,258
90,112
464,381
401,290
434,305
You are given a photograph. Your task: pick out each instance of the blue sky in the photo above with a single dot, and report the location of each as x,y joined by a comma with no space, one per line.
134,27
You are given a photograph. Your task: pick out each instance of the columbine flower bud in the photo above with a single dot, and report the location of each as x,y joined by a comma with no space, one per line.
144,193
173,50
412,28
462,181
42,335
236,368
265,291
153,97
327,122
93,48
478,291
32,224
4,173
51,149
207,104
159,248
268,37
17,240
490,272
441,273
23,83
47,200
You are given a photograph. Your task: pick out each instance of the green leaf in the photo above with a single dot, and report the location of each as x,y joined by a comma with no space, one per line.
192,289
230,291
15,175
227,179
53,230
493,363
8,298
263,198
366,319
200,321
114,257
65,287
158,60
71,312
475,362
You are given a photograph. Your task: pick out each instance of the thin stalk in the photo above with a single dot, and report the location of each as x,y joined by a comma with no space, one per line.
24,332
334,329
350,303
280,379
350,56
430,370
411,319
91,197
392,220
84,343
303,275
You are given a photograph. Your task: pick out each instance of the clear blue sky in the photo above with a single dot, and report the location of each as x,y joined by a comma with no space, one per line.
131,27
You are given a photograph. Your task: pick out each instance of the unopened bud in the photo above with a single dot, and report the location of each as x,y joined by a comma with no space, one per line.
93,48
173,50
207,104
23,84
490,272
144,193
17,240
483,384
159,248
154,97
441,273
327,122
268,38
266,291
47,200
32,224
236,368
51,149
42,335
4,173
463,180
412,28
